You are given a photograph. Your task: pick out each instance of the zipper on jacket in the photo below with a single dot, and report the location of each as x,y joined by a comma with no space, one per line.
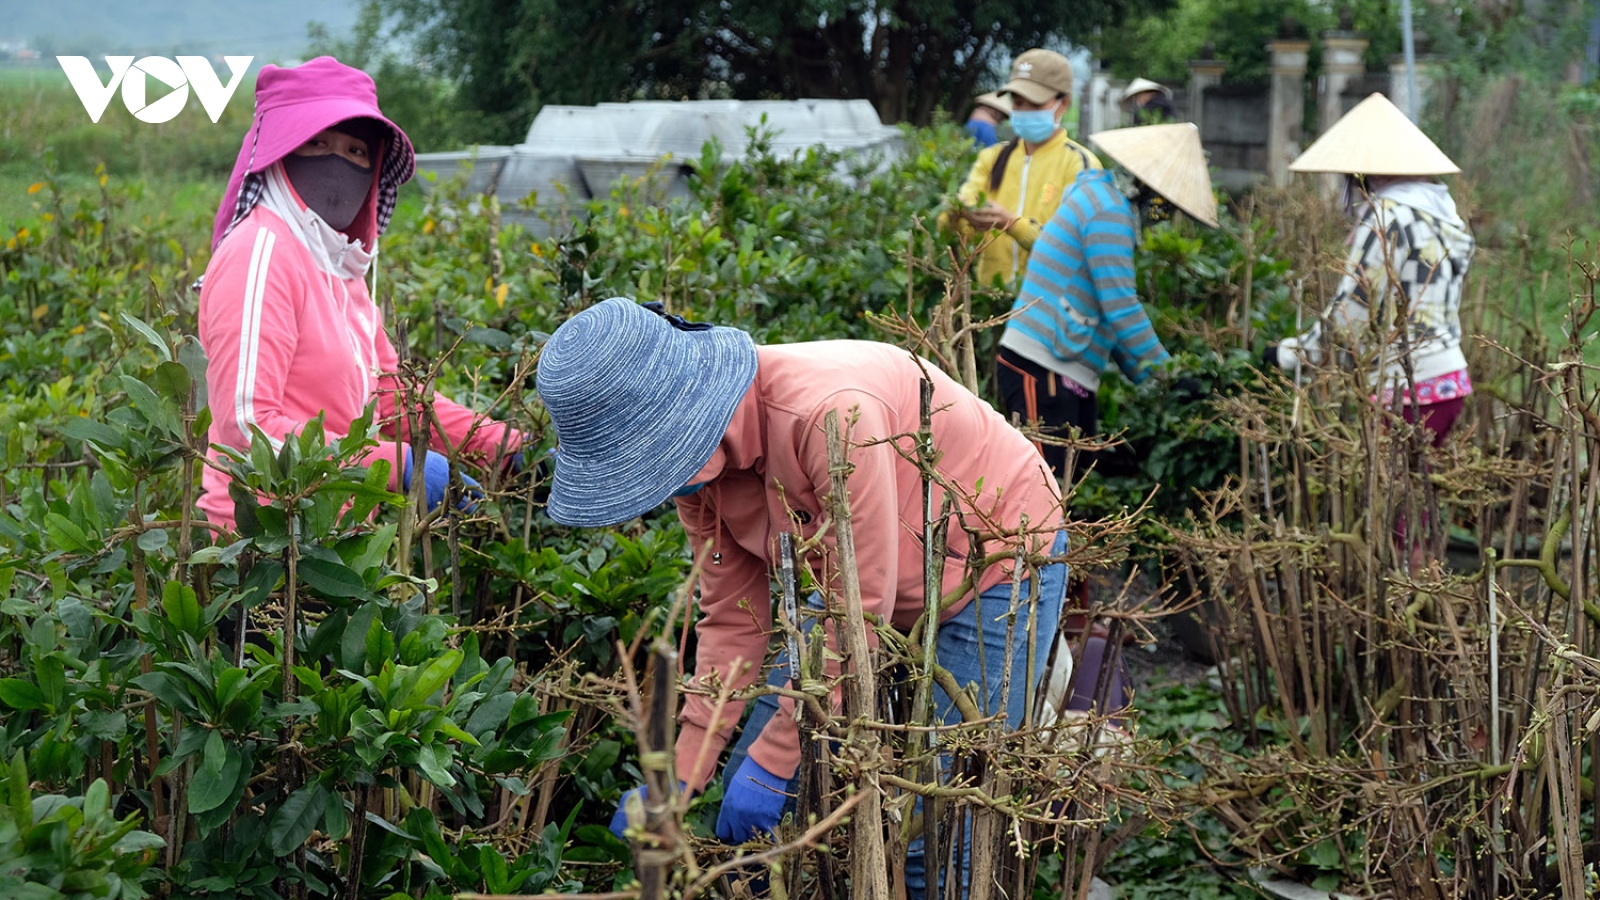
1022,206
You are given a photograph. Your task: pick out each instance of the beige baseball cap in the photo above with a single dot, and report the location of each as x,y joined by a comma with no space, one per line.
994,100
1039,75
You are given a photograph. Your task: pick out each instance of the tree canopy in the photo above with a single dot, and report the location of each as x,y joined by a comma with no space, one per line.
909,57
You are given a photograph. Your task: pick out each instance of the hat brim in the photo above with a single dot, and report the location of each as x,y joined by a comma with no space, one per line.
1142,86
277,130
619,482
1031,91
994,100
1375,138
285,127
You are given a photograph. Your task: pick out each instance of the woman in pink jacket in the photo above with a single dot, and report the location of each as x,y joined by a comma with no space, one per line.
649,407
286,318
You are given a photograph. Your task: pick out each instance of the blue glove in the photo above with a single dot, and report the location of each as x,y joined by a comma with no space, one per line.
619,819
436,478
529,457
752,803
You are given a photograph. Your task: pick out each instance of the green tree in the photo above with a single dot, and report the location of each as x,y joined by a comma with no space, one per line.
909,57
1539,38
426,104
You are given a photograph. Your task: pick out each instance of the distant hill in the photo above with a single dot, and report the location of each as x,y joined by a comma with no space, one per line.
267,29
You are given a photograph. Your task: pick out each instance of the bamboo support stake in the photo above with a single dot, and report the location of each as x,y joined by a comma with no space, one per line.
609,895
869,866
656,841
987,834
1011,637
1496,835
810,788
655,851
288,758
821,777
932,589
967,344
1031,665
152,738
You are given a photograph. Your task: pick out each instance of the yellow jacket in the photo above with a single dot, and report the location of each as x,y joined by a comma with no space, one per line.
1031,187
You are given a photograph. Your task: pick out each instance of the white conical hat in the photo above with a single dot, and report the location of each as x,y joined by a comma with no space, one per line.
1139,86
1375,138
1169,159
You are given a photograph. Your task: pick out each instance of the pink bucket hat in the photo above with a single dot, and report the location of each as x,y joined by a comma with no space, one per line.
292,106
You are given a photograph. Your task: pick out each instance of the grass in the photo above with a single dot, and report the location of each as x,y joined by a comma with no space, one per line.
181,205
27,77
44,129
175,170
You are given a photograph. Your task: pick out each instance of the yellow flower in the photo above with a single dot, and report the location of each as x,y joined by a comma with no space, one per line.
623,211
36,187
500,294
427,227
536,249
76,329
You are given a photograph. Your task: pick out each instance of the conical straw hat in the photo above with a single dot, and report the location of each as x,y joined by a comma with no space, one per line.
1139,86
1375,138
1169,159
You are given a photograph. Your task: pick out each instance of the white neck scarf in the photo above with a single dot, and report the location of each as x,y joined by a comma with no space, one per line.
334,253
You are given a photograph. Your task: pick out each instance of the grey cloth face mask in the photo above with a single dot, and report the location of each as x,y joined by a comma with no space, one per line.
332,186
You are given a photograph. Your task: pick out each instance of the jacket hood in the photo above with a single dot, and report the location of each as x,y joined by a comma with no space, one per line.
292,105
1430,197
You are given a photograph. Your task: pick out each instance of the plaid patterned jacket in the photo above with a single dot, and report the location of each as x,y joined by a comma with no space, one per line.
1400,296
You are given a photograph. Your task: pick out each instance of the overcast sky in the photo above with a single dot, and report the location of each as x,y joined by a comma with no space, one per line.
266,29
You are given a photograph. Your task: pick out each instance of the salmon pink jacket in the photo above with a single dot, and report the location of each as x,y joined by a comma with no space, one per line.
774,477
286,341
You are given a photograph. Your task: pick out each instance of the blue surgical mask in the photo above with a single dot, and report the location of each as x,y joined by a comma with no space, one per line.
688,489
1034,125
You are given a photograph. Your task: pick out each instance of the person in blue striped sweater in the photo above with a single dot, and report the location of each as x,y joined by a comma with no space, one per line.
1079,311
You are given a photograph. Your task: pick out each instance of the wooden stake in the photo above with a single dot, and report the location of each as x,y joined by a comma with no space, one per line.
869,867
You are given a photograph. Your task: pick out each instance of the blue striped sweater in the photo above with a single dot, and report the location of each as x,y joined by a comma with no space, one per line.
1079,308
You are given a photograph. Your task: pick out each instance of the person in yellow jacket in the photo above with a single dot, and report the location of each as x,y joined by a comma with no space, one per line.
1015,187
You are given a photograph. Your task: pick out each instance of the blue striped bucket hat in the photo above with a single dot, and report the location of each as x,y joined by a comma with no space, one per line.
639,401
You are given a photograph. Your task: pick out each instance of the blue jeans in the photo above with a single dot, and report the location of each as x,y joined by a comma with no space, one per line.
957,643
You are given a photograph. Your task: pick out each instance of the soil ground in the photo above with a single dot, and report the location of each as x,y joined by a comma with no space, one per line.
1158,664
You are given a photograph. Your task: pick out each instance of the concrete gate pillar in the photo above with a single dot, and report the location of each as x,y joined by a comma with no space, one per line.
1286,106
1204,74
1343,60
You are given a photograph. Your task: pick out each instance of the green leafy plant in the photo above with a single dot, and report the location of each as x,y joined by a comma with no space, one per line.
54,847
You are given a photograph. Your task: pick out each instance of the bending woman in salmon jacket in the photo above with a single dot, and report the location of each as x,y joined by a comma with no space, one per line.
649,407
286,318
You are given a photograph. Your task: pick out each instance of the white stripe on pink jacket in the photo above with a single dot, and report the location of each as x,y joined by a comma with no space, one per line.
286,341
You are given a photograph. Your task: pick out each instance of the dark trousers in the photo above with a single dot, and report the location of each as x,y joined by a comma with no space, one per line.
1039,397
